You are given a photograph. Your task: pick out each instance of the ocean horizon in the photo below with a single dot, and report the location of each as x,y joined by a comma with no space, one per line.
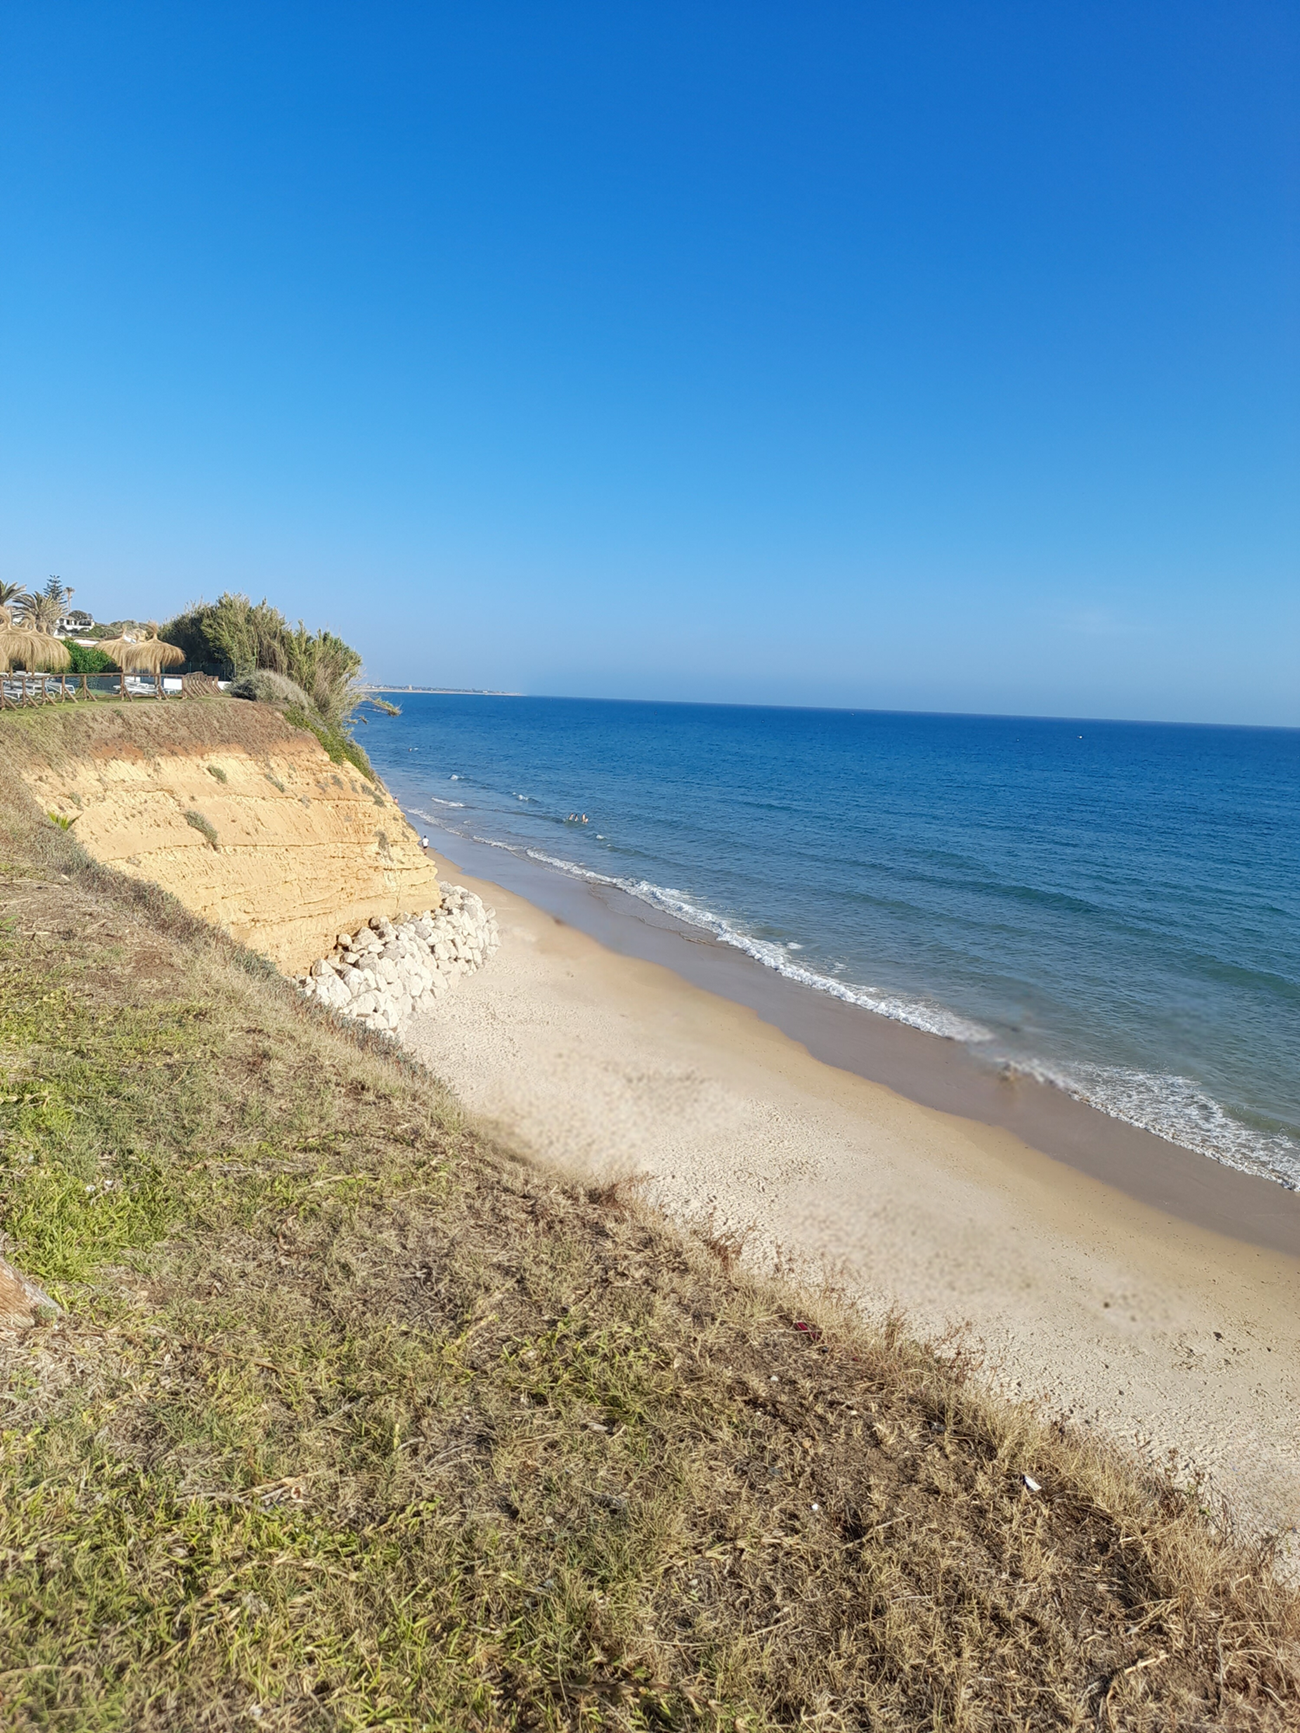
1109,907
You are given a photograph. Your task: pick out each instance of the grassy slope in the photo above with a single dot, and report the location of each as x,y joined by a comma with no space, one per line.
353,1421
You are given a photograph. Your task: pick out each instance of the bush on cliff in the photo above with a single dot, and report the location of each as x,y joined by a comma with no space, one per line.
243,638
341,747
264,686
310,677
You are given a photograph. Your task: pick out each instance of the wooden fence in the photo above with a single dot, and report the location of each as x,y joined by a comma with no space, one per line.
19,690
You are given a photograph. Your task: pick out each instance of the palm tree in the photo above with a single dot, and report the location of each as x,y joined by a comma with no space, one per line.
41,612
10,594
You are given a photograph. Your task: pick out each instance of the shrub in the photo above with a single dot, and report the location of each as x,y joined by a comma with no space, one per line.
264,686
342,749
310,676
204,825
85,660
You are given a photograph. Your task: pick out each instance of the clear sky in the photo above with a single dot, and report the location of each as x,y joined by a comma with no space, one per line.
910,355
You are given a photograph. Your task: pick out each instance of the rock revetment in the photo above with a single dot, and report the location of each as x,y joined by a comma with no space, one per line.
381,973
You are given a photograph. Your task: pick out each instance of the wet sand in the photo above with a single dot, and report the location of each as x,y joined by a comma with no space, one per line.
1119,1281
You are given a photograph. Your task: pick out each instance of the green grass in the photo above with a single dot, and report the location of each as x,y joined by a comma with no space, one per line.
353,1420
81,1183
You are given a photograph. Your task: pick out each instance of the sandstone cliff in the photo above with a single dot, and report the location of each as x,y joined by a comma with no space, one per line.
242,817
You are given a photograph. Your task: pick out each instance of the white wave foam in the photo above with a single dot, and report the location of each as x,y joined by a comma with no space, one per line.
934,1019
437,802
1177,1109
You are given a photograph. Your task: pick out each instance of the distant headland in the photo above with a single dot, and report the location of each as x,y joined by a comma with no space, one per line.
445,691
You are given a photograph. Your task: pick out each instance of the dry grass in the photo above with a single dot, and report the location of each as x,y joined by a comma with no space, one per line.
63,732
353,1421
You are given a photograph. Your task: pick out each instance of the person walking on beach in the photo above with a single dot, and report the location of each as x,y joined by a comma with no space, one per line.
424,841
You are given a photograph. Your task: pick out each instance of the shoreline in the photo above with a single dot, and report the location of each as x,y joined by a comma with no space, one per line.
925,1068
1163,1334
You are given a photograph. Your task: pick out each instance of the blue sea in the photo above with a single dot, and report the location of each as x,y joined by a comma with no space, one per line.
1111,907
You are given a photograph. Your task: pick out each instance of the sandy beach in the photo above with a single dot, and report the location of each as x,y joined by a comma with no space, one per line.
1161,1332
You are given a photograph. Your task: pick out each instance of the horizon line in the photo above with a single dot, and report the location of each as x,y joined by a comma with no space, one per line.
826,709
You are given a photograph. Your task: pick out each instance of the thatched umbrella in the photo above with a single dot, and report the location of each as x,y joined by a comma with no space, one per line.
148,655
122,651
9,648
35,650
47,651
15,646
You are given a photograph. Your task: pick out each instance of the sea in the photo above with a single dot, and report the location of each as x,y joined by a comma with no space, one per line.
1109,907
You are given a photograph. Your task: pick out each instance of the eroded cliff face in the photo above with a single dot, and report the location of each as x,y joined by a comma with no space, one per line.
242,817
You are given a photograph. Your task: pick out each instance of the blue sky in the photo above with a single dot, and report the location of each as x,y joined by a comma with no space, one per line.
925,356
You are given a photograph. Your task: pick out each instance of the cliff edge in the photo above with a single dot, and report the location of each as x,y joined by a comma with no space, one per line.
242,817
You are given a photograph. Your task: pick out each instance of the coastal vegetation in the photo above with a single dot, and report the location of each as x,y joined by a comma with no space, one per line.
353,1419
37,610
242,637
310,676
89,659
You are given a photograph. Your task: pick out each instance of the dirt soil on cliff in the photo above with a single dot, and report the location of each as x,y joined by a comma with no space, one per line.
351,1420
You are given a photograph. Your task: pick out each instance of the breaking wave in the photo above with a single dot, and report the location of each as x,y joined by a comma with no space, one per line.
934,1019
1177,1109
